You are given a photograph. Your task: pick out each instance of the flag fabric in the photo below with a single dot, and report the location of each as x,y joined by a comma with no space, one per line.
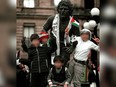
74,22
71,22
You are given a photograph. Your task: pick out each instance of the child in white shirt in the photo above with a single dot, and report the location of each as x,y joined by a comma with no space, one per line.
77,66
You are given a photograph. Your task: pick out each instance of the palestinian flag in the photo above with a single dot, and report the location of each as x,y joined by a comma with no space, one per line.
71,22
74,22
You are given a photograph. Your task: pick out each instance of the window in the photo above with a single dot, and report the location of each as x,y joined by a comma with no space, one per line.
29,3
28,31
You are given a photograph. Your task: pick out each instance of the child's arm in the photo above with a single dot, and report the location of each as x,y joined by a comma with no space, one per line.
68,77
25,48
95,47
49,78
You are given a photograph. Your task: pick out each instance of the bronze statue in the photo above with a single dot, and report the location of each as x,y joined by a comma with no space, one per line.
59,23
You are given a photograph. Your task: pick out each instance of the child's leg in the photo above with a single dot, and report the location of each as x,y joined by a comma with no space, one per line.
43,79
71,68
34,80
79,71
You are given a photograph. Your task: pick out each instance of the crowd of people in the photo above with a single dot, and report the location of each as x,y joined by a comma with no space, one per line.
49,63
38,69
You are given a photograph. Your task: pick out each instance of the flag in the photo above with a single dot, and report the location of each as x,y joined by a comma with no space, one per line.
74,22
71,22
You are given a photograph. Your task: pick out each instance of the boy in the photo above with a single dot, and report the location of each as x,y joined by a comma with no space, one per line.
46,41
59,75
77,66
38,58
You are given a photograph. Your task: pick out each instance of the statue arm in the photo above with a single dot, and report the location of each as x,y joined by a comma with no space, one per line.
48,24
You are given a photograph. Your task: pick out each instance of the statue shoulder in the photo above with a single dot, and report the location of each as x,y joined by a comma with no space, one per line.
51,18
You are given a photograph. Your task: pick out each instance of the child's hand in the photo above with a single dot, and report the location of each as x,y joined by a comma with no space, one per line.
67,31
97,40
50,84
23,40
65,85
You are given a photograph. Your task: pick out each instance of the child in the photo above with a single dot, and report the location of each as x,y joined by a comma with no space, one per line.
38,58
46,41
44,38
59,75
77,66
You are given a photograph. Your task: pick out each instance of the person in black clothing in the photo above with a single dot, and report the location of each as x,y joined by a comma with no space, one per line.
38,59
22,76
45,42
59,75
22,72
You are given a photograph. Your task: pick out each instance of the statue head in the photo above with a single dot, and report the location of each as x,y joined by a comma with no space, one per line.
65,8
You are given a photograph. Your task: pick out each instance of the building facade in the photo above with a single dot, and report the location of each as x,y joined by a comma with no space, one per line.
32,14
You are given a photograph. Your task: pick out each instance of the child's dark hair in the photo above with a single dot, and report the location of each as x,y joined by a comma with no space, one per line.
34,36
58,58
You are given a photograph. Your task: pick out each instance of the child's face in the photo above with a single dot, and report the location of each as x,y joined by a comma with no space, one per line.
85,36
58,64
35,42
44,41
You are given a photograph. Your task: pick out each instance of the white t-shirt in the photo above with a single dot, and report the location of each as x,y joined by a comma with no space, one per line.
83,48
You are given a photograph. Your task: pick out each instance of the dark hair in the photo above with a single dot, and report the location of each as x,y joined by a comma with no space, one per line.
58,58
67,3
34,36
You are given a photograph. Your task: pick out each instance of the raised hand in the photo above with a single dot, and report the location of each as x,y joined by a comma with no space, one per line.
67,31
23,40
97,40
